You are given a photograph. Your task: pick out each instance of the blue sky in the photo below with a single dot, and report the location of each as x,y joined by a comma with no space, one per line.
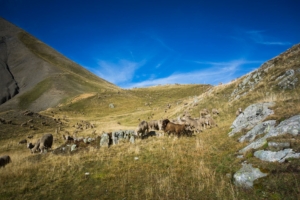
139,43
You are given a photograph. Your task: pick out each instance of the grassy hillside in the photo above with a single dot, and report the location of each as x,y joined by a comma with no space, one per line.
52,56
197,167
63,80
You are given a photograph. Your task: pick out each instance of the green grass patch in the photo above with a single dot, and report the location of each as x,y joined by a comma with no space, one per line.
29,97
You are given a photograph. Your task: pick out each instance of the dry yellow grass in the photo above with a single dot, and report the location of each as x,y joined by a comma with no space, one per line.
198,167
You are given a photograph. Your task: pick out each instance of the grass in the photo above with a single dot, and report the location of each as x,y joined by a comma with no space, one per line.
197,167
167,168
115,174
27,98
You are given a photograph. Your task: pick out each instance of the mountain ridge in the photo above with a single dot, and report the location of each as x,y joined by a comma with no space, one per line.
33,63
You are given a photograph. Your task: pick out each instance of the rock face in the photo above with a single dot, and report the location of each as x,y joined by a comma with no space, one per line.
276,156
289,126
252,115
8,85
252,119
246,175
288,80
259,129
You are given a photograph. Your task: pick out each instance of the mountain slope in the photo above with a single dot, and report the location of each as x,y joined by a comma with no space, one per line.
41,76
201,166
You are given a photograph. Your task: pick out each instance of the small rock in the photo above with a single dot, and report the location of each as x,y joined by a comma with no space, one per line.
73,147
246,175
104,141
132,139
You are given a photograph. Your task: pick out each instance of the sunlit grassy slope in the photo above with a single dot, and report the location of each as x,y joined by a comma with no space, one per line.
197,167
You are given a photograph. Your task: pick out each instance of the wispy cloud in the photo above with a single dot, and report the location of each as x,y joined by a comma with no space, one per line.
241,61
162,43
258,37
218,72
117,73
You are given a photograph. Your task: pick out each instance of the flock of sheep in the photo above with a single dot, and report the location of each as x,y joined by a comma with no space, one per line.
182,126
185,125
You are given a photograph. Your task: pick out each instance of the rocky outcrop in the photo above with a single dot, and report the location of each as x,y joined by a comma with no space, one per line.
259,129
248,83
276,156
289,126
8,85
252,115
252,119
288,80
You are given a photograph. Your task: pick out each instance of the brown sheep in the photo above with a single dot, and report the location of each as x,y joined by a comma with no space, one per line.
177,129
4,160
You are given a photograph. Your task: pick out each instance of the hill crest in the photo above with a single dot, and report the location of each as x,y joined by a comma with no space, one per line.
43,76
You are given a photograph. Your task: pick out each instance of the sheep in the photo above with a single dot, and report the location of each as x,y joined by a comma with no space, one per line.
196,124
215,111
211,122
204,112
179,120
155,124
45,142
4,160
143,129
238,112
177,129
